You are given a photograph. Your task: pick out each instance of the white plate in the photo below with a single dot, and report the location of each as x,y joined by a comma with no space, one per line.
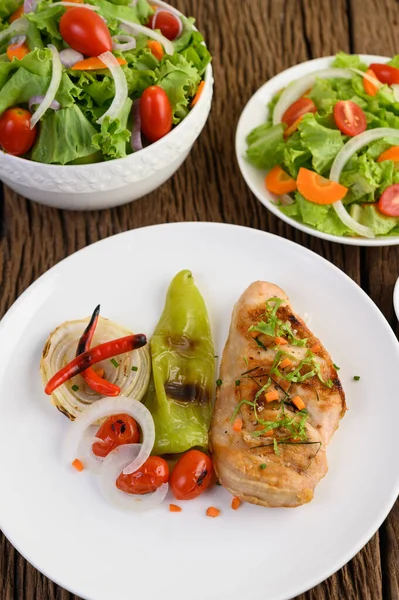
57,518
255,113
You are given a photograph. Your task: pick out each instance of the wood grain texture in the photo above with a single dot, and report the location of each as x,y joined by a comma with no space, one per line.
251,40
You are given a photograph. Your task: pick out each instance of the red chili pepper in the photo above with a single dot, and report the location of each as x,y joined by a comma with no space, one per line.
93,356
93,380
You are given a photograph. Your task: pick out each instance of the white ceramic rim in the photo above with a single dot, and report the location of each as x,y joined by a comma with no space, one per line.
396,298
266,198
208,78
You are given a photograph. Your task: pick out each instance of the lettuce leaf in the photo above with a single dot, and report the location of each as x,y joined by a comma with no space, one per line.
7,8
344,61
114,135
179,79
265,146
323,143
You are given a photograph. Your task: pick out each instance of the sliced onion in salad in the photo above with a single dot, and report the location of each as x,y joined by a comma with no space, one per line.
121,89
295,90
75,5
107,407
18,27
349,149
136,28
136,141
115,463
35,100
395,89
18,40
123,42
30,6
373,80
70,57
52,90
131,374
162,9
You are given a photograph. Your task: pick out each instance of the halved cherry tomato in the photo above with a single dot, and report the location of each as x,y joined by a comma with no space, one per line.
390,154
155,113
349,117
17,14
116,431
85,31
385,73
389,201
278,181
369,88
317,189
191,476
156,48
297,110
167,23
17,51
16,136
149,477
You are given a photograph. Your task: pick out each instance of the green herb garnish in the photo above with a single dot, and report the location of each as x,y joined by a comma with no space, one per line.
356,377
275,447
75,388
245,360
272,326
238,382
336,367
218,382
263,466
135,369
115,363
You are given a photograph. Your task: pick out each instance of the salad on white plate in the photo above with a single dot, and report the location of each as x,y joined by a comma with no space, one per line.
330,149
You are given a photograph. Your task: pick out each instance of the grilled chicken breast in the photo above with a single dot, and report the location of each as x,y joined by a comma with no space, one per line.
278,402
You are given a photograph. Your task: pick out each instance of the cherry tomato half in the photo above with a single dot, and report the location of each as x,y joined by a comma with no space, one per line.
85,31
191,476
349,117
16,137
297,110
385,73
389,201
116,431
155,113
167,23
151,475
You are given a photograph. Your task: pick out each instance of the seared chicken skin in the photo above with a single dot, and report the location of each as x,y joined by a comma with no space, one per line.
278,402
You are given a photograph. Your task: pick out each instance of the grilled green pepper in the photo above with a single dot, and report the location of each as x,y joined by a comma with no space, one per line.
183,370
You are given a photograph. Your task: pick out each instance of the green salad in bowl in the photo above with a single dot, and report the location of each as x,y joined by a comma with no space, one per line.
86,81
329,148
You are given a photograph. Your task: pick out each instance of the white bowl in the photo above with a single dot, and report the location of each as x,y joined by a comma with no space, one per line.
109,183
255,113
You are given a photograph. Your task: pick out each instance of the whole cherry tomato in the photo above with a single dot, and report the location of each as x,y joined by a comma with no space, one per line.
167,23
349,117
150,476
191,476
85,31
116,431
155,113
16,136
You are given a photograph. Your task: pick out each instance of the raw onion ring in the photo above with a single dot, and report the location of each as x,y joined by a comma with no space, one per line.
52,90
55,105
136,28
30,6
121,89
135,140
18,40
70,57
128,42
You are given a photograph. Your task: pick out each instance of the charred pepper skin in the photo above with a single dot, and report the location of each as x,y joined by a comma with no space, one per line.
180,395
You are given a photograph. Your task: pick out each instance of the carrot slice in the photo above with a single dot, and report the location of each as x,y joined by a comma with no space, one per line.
94,63
285,363
292,128
174,508
277,181
317,189
15,51
78,465
280,341
390,154
237,425
17,14
369,88
298,402
315,348
271,396
211,511
156,48
235,503
198,94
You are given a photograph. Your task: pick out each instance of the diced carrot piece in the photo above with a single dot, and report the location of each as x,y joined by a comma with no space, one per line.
78,465
315,348
15,51
298,402
286,362
369,88
277,181
198,94
235,503
211,511
94,63
174,508
237,425
271,396
17,14
156,48
280,341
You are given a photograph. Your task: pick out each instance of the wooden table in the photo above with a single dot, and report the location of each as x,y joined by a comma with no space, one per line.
251,40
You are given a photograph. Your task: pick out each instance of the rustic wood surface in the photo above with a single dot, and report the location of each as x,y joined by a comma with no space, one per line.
251,40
